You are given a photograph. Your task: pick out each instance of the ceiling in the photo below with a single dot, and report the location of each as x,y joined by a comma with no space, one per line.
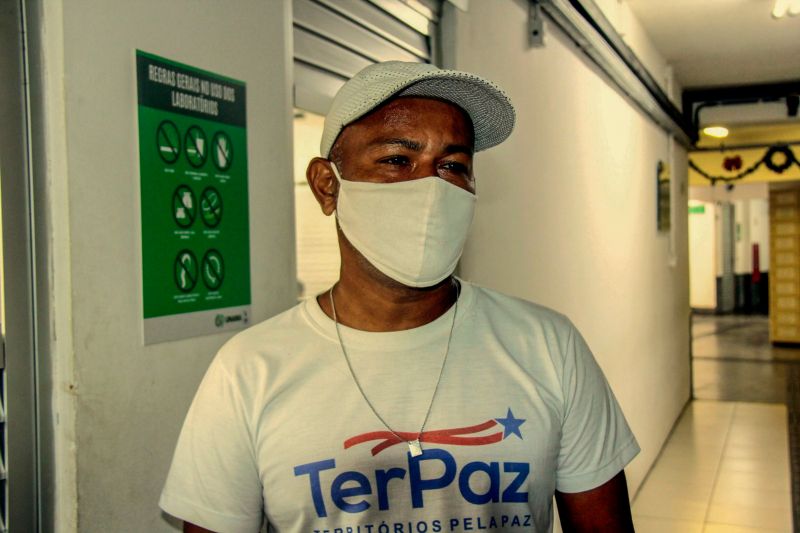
722,42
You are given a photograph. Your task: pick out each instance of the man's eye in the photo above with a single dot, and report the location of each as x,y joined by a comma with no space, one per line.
395,160
455,166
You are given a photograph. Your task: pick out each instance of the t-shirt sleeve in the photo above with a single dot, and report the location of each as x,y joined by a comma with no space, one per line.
213,481
596,442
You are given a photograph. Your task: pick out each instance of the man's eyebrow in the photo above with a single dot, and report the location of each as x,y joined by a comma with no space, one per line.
397,141
417,147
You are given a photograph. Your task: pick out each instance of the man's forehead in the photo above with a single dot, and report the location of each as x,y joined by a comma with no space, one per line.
407,111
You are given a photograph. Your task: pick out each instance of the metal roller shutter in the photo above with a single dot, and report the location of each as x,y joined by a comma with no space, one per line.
334,39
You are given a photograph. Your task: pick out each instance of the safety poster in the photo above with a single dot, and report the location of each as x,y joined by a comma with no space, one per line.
194,203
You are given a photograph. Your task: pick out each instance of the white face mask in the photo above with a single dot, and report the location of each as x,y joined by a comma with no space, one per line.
413,231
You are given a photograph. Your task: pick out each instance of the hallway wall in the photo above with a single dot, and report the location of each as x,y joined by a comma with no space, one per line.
118,405
567,213
621,17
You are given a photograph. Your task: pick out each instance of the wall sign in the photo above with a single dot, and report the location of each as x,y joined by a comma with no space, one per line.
663,202
194,204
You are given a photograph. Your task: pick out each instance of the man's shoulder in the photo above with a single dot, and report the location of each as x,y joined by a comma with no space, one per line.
516,310
275,335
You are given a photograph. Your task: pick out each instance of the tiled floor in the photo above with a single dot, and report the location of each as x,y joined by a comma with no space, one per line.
733,360
725,469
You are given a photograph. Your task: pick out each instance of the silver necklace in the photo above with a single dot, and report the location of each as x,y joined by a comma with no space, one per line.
414,446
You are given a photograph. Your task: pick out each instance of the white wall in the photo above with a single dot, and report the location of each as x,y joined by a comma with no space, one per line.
118,405
567,217
720,193
621,17
702,256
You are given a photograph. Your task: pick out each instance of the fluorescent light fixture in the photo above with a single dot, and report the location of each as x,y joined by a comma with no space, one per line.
786,7
719,132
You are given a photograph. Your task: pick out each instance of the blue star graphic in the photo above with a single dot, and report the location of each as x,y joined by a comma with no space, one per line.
511,424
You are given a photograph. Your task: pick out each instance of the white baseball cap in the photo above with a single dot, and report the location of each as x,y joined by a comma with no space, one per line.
487,105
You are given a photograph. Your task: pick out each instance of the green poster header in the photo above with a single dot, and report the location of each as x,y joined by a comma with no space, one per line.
171,86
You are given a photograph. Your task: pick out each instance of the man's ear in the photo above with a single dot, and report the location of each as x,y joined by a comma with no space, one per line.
323,184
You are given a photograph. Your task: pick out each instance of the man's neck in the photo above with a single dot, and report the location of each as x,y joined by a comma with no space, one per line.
379,305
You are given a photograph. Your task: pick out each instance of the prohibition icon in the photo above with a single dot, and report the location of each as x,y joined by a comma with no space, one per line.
168,141
211,207
196,146
185,270
213,269
222,151
184,207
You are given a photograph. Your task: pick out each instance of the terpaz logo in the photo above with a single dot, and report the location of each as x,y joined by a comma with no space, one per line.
355,492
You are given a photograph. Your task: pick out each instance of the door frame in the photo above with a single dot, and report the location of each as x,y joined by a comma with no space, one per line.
17,290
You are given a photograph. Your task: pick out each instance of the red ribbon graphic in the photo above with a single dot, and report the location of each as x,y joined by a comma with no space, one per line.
456,436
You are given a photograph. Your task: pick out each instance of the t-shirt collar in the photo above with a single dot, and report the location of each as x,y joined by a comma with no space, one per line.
390,340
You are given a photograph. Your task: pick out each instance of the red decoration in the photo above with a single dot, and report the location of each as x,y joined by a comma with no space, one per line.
732,163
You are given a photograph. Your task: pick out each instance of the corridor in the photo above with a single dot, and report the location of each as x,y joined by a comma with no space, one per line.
733,360
727,464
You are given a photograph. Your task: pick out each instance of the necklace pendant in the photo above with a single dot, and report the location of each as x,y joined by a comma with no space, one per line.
415,448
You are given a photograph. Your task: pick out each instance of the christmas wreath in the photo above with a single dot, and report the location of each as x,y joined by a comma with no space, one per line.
778,165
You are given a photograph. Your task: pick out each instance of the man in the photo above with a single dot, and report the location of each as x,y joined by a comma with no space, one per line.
404,399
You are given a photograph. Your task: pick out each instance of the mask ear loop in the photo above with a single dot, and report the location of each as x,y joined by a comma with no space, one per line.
336,172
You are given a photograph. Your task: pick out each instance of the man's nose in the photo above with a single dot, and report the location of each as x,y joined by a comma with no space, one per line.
425,168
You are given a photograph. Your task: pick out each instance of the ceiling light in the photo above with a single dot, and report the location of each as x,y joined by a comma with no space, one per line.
784,7
719,132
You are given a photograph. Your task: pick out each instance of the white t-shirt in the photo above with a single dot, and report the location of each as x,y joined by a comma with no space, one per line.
279,429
